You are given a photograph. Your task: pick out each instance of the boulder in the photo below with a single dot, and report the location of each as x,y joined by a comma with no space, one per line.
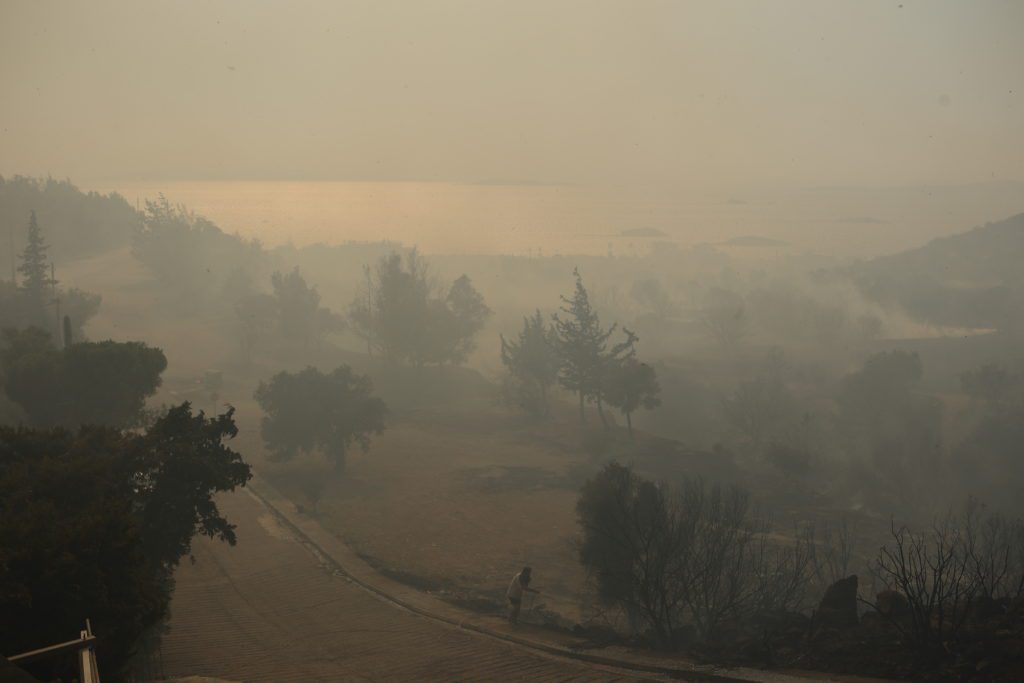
893,605
838,607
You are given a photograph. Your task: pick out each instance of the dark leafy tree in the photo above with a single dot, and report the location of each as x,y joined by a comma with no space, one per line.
301,318
634,543
71,545
176,467
32,376
92,521
631,385
532,360
310,410
102,383
108,382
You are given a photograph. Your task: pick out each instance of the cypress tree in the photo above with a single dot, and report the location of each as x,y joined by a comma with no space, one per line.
581,343
35,276
582,346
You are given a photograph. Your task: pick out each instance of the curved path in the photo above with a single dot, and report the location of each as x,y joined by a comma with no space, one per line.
269,610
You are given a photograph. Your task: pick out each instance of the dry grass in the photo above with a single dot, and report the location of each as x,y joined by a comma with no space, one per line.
461,502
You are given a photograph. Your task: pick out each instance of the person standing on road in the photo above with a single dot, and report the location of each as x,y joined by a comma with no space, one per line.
520,584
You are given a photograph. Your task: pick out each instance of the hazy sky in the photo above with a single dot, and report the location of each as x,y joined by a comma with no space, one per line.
704,94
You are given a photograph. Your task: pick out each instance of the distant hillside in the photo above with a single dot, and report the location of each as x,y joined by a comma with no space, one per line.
973,279
75,224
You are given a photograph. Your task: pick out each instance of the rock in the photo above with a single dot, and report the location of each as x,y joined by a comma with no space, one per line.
873,620
893,605
838,607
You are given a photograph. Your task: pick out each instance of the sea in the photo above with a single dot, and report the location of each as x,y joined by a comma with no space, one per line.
526,219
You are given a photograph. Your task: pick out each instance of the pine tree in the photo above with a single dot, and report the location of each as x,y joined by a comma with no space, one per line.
581,346
34,269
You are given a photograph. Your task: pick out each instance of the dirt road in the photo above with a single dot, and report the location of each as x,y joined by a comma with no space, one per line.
267,610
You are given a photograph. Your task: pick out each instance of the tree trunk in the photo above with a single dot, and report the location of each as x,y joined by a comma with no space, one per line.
583,417
629,424
600,412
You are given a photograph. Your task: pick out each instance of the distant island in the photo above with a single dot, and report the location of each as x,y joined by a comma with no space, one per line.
863,220
754,241
643,232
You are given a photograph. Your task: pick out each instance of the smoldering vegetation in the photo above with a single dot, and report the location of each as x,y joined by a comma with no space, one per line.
740,453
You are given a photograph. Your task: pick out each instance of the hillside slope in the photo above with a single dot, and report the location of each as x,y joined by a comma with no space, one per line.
973,279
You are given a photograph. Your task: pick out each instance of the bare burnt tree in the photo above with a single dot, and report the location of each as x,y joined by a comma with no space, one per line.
737,574
694,555
832,551
996,545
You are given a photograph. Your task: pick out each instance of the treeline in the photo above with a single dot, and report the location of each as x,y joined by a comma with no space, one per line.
200,268
79,224
876,435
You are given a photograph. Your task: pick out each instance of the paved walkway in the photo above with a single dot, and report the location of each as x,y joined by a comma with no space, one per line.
269,610
292,602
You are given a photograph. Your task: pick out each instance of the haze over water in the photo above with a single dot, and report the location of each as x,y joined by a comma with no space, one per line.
572,219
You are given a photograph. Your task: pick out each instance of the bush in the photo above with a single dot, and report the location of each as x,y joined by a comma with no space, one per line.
694,556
